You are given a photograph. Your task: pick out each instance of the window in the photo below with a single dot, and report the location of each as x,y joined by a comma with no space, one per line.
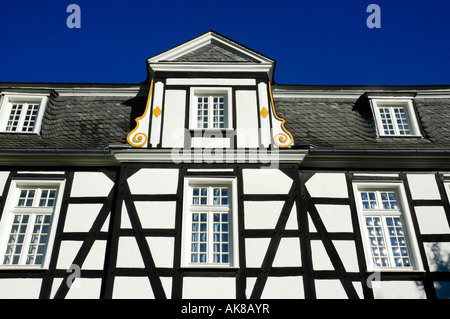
21,113
27,223
209,223
395,118
210,108
387,230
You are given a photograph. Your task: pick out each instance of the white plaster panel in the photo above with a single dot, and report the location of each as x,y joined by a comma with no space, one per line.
156,214
3,179
162,249
347,253
398,290
255,250
67,253
132,288
247,120
209,288
292,223
423,186
125,222
432,220
96,256
327,185
90,184
336,218
262,215
290,287
266,181
320,258
26,288
288,253
265,121
80,217
154,181
210,142
84,288
128,254
155,131
175,110
330,289
438,256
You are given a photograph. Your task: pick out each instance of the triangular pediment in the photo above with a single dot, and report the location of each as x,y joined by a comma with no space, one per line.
210,50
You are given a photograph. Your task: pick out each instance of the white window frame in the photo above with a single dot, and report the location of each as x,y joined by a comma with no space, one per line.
11,210
6,103
211,92
188,209
411,117
403,212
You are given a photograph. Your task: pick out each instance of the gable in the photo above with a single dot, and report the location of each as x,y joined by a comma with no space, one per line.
211,52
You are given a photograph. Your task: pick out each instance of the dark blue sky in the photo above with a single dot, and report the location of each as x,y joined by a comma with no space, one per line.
313,42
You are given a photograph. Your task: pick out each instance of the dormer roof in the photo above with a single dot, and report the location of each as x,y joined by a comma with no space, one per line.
211,52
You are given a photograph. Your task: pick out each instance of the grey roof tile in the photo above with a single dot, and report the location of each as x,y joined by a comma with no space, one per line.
349,124
212,53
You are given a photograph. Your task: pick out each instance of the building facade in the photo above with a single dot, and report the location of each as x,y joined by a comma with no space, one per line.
208,180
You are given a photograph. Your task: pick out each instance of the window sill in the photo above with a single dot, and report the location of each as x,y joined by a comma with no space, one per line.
395,270
209,266
401,136
22,267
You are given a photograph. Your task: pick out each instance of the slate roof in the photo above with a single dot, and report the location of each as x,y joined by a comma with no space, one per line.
337,123
212,53
85,122
95,122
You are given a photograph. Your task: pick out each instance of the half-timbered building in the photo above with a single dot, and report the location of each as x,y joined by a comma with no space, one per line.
210,180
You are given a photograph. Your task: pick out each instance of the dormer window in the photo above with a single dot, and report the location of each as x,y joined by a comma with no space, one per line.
22,113
395,118
210,108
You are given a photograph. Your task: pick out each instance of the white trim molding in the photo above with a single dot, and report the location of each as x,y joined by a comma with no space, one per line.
27,101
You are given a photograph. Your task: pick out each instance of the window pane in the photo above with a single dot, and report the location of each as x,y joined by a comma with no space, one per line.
16,238
398,242
376,241
26,197
14,116
30,118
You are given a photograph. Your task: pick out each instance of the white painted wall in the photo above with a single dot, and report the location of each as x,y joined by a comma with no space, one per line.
336,218
80,217
174,118
20,288
432,220
423,186
209,288
261,214
398,290
327,185
91,184
154,181
266,181
156,214
289,287
247,120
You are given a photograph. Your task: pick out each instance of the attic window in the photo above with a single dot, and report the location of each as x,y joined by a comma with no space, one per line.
22,113
210,108
395,118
